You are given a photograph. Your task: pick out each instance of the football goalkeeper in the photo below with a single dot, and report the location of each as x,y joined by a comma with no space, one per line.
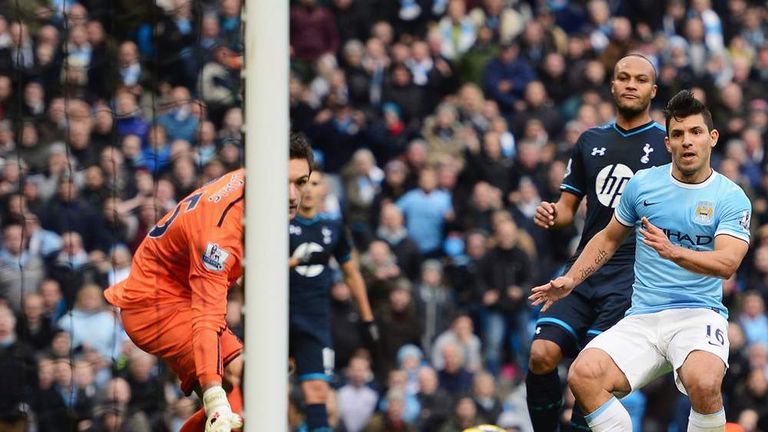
174,302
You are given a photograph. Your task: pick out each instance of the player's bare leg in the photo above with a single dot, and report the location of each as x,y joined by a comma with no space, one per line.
233,372
545,356
702,376
594,378
315,397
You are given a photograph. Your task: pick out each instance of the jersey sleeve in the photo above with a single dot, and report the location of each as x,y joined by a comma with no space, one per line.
575,174
735,215
214,257
626,211
343,250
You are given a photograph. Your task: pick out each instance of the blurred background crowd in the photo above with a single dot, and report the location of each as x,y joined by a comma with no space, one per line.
440,126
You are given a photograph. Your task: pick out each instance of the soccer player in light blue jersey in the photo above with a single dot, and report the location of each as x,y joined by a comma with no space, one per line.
692,232
601,163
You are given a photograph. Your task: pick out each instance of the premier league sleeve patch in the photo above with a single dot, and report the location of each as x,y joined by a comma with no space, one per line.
214,257
744,220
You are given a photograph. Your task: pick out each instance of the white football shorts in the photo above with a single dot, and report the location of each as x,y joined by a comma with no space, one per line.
647,346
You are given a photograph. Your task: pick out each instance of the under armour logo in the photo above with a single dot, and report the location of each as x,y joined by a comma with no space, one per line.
648,150
598,151
538,330
327,235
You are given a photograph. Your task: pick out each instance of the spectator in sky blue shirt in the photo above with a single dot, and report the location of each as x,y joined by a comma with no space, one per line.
426,210
180,122
753,319
157,154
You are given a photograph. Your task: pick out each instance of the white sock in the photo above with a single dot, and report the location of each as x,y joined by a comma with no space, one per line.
698,422
610,417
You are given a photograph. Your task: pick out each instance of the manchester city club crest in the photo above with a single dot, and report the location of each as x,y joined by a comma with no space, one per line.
704,213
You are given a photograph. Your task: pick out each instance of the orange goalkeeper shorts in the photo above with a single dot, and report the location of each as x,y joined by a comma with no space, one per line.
166,331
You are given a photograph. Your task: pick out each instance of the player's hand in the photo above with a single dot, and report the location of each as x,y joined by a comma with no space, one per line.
220,417
551,292
371,333
546,212
655,238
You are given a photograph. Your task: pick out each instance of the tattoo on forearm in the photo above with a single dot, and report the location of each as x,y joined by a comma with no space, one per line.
585,272
588,270
601,256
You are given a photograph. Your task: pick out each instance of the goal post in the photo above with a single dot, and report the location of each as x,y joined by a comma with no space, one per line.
266,208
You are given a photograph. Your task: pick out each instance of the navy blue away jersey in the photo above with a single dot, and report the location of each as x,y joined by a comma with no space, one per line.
310,284
602,162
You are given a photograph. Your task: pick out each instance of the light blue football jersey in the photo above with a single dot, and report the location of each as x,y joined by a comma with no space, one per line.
691,215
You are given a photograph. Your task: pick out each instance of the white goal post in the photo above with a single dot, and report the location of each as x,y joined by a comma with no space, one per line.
266,209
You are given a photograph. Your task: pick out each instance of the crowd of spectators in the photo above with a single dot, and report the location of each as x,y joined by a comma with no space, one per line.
109,114
440,125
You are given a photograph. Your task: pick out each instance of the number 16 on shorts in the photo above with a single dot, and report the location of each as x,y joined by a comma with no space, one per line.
715,336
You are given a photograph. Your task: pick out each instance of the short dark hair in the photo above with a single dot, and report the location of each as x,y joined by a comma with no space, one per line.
316,167
684,105
300,149
637,54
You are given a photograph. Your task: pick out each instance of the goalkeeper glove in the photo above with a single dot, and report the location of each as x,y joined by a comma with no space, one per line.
371,333
218,413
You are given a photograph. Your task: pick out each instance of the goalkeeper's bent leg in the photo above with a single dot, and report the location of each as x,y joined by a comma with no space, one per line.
232,378
195,423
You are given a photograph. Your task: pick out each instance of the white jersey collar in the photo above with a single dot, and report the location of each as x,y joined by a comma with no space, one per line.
701,185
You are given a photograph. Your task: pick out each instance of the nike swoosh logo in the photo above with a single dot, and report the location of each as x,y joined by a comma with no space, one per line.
646,203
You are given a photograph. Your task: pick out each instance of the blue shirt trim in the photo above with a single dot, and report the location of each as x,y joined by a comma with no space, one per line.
559,323
569,188
315,377
316,218
637,131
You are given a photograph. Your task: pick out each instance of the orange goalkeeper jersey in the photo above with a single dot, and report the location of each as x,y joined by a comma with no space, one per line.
190,258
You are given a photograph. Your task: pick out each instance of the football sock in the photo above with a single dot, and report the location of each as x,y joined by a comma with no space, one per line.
545,398
610,417
698,422
578,423
235,398
317,418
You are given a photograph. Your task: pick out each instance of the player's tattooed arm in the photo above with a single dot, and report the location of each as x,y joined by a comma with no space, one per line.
596,253
585,272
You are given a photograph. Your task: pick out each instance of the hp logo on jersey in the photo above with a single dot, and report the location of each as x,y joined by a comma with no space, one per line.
303,250
610,183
